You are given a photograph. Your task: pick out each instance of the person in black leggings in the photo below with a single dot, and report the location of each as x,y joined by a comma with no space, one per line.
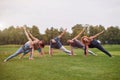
90,42
75,43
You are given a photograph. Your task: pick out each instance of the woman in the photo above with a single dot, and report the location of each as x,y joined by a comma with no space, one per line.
90,42
28,47
75,43
55,43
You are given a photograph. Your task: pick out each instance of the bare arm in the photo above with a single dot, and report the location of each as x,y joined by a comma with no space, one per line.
79,34
42,52
31,54
27,34
86,50
62,33
92,37
71,50
31,35
50,51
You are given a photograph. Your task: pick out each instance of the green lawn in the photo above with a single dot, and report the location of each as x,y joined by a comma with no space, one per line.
61,66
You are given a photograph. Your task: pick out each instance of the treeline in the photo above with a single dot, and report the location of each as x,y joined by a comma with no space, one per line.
15,35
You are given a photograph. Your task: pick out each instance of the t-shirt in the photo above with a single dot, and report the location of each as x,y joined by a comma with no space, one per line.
77,44
93,43
56,45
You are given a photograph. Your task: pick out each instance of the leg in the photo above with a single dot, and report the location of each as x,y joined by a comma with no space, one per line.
20,50
30,57
103,50
24,53
65,50
92,53
21,56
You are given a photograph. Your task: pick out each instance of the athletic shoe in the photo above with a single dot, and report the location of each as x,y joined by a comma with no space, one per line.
5,60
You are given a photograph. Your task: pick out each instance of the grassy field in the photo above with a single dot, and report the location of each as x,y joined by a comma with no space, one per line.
61,66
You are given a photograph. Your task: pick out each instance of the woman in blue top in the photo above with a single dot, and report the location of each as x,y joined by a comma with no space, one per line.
38,45
28,47
55,43
75,43
90,42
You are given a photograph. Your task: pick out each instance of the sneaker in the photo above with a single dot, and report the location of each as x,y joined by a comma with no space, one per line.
5,60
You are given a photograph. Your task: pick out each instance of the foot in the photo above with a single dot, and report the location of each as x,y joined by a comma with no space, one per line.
95,54
30,58
5,60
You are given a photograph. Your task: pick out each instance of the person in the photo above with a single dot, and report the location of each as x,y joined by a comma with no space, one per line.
55,43
75,43
28,47
39,44
90,42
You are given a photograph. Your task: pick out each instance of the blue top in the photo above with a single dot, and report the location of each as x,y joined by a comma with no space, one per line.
56,45
93,43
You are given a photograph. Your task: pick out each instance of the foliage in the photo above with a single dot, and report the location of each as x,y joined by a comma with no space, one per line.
113,35
15,35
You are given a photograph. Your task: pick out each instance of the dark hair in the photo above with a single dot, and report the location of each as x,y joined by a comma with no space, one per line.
42,44
68,41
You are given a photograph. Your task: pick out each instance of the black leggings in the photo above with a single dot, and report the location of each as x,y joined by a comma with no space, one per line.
95,44
103,50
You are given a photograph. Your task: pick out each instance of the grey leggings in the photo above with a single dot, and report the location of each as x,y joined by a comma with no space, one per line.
19,51
65,50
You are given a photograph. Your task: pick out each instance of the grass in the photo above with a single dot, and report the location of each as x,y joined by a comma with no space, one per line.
61,66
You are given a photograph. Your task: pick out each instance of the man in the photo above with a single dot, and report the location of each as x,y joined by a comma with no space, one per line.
75,43
90,42
55,43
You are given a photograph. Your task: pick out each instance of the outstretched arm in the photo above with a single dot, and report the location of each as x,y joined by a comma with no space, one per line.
50,51
27,34
41,52
31,54
31,45
62,33
71,48
31,35
92,37
86,50
79,34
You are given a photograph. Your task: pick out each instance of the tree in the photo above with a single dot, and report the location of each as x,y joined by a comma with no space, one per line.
96,29
47,36
113,35
15,35
35,32
65,37
76,30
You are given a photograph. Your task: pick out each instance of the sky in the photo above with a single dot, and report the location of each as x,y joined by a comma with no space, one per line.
59,13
